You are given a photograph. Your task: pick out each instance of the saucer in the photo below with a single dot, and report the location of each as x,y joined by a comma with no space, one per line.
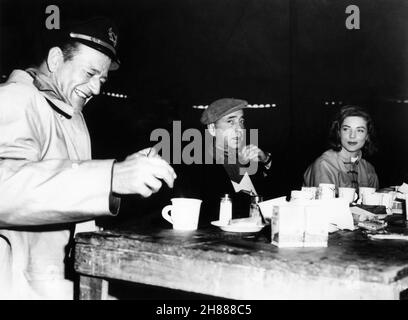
218,223
237,227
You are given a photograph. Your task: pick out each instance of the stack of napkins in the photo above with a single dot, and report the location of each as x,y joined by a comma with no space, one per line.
306,224
402,192
360,214
267,206
403,188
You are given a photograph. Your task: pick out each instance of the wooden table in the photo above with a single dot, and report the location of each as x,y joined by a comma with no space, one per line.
242,266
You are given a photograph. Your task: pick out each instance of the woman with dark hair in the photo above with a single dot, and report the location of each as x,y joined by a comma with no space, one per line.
351,134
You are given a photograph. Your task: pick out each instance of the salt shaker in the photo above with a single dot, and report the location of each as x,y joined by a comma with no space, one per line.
225,209
254,210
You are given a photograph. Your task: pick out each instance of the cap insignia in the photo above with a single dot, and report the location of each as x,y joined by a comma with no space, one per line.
112,36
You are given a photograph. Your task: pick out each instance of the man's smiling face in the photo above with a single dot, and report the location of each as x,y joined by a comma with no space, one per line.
81,77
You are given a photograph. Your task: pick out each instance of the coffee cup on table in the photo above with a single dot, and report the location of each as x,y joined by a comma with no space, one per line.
373,199
312,191
364,190
348,193
183,213
387,200
326,191
300,195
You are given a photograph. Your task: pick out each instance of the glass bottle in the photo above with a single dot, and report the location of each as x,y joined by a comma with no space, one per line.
225,210
254,210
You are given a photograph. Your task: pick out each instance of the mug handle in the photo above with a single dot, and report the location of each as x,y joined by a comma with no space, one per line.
166,214
359,199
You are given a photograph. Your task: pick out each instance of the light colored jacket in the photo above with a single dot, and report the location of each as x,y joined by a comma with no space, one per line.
332,167
47,183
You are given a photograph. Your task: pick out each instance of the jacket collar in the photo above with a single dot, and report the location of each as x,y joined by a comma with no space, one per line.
346,158
33,77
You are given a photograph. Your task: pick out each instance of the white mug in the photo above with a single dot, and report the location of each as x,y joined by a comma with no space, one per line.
406,206
362,191
184,213
387,200
348,193
298,195
326,191
312,191
373,199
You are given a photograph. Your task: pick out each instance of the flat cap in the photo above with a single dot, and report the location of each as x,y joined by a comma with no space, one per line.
99,33
219,108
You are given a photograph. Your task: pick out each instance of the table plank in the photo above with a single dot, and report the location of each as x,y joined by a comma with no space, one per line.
247,266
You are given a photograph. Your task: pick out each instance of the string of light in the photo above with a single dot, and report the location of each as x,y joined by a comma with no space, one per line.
253,106
115,95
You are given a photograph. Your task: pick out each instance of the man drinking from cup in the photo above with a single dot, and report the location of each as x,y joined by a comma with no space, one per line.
231,166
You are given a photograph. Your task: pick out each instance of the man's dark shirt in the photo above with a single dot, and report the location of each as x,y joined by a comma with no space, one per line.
210,182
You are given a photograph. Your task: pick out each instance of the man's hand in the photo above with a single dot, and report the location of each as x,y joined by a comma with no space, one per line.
141,173
252,153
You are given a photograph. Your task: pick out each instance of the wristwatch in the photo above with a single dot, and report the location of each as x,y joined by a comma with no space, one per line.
268,159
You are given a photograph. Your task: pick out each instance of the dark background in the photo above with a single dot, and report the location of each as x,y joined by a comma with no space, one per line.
297,54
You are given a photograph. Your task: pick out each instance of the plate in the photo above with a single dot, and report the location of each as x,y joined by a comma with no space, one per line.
333,228
218,223
237,227
389,236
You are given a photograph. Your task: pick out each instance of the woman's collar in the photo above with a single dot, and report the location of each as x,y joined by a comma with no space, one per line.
346,156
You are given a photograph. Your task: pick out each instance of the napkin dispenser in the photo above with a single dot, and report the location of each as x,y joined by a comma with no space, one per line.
306,224
299,225
316,226
288,225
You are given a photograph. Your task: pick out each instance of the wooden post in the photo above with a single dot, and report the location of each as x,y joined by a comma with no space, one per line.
91,288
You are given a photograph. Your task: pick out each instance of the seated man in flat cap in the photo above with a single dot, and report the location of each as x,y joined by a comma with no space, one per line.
235,168
48,182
